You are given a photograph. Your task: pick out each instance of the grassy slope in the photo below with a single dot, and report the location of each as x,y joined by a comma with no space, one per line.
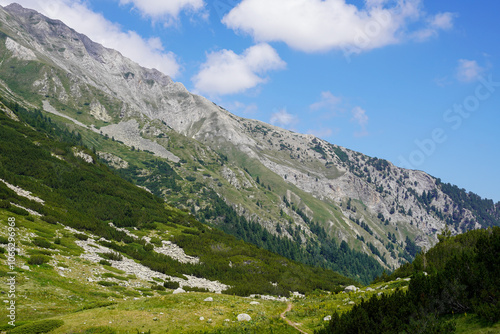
43,292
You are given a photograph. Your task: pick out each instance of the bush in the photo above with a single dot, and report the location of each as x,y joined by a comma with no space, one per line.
195,289
4,240
81,236
488,312
18,211
50,219
39,251
42,326
171,285
57,241
38,259
113,256
4,204
105,263
157,287
41,242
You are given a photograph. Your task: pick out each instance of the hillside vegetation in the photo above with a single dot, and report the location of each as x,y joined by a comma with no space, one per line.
459,276
87,196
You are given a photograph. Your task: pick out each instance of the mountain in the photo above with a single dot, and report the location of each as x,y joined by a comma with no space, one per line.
77,240
56,189
294,194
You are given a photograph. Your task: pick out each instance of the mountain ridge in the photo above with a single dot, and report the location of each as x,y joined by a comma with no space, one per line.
283,180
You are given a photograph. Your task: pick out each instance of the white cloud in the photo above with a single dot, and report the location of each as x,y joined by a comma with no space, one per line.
167,10
74,13
468,70
237,107
359,116
283,119
323,25
328,101
441,21
226,72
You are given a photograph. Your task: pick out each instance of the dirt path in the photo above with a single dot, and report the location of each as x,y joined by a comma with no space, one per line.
294,325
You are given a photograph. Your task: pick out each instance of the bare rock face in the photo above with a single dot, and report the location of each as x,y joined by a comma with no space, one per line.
113,160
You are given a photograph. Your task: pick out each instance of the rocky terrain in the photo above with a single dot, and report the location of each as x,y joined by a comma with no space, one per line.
267,174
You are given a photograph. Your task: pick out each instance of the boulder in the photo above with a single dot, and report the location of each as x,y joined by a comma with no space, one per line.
327,318
244,317
350,288
178,290
254,303
209,299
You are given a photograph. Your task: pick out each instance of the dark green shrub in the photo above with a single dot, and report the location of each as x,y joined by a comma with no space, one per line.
42,326
57,241
2,250
41,242
4,240
157,287
38,259
156,241
114,256
171,285
39,251
18,211
488,312
81,236
50,219
105,263
195,289
4,204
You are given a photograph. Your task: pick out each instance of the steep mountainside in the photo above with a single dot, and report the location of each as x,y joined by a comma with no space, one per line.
298,187
57,189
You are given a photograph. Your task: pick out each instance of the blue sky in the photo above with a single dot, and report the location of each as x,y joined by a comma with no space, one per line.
416,82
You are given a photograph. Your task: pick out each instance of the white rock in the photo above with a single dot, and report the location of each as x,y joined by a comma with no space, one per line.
350,288
327,318
202,318
244,317
178,290
209,299
254,303
25,268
